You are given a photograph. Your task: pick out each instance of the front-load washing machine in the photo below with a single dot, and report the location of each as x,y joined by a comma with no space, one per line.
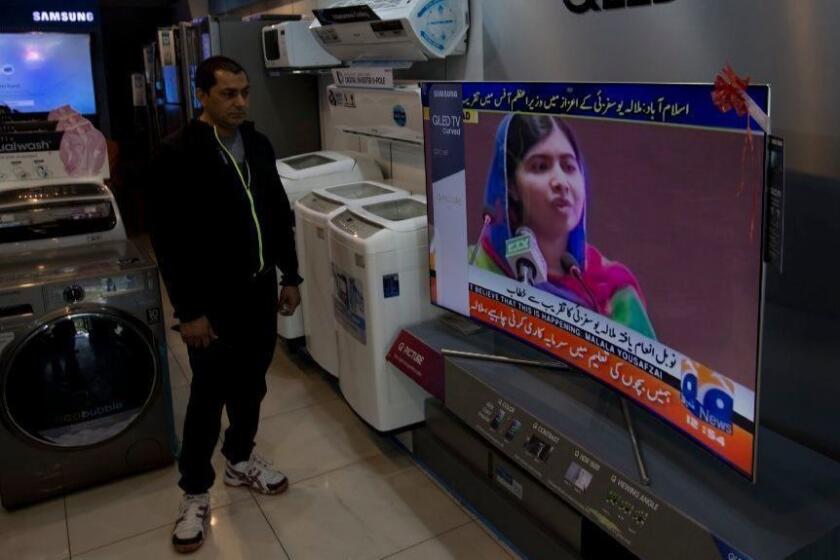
301,174
312,215
57,214
84,386
381,273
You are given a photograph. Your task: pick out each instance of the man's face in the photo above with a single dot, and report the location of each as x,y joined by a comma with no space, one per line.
226,104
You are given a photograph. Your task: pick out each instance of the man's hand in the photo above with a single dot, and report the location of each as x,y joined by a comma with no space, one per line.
198,333
288,301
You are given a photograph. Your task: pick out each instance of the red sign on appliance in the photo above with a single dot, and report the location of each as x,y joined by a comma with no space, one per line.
419,361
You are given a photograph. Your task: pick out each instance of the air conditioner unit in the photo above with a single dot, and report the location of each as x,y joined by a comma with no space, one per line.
291,44
394,114
393,30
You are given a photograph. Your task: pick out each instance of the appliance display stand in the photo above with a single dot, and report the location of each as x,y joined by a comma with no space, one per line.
563,432
644,478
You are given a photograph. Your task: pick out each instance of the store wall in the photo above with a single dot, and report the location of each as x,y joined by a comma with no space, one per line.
197,8
790,45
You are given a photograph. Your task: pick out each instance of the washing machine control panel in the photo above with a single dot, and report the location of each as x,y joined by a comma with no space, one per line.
96,290
355,226
319,204
51,192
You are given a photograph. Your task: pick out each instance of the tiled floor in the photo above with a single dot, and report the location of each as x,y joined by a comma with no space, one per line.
353,494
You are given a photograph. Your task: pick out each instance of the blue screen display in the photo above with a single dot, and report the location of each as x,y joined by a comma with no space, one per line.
42,71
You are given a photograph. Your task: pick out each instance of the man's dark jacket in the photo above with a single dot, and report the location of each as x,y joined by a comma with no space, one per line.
202,226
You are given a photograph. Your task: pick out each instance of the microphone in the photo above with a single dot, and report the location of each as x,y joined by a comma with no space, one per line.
571,266
525,258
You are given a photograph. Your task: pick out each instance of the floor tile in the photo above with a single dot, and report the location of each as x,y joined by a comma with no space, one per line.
311,441
178,349
446,491
177,377
293,384
467,542
238,532
130,506
363,512
37,532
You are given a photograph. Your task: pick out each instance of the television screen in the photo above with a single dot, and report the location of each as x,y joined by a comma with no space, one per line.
42,71
617,227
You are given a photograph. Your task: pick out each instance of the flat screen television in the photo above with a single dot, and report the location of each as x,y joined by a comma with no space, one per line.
617,227
42,71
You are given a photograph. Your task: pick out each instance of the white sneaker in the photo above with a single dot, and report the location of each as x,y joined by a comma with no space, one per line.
192,524
256,473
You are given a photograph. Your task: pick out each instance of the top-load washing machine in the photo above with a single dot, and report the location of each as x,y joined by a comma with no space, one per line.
312,215
84,387
301,174
57,214
381,272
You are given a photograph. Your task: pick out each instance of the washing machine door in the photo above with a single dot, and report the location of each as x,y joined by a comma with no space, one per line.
79,378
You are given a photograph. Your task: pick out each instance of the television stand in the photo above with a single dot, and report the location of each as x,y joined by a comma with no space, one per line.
644,478
562,432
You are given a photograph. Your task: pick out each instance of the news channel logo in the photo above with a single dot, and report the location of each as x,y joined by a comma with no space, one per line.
708,395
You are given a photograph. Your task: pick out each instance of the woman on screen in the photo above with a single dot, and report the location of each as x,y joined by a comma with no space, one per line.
535,222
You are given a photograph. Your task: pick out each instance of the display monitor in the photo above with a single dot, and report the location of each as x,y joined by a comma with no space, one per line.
616,227
42,71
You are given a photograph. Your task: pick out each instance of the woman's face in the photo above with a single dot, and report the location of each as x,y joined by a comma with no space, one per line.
550,186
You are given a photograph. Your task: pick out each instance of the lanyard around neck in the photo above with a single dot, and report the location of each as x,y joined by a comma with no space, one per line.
246,184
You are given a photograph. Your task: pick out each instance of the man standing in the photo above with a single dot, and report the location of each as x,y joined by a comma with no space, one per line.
221,223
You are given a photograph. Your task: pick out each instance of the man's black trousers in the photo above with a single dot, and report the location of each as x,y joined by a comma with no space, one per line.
231,374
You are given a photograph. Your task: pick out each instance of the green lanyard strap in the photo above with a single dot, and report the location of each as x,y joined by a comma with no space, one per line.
247,186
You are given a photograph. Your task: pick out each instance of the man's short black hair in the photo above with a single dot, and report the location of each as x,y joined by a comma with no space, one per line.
205,74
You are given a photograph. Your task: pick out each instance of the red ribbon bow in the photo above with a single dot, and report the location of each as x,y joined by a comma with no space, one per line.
729,92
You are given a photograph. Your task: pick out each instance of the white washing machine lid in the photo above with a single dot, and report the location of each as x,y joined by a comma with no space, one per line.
403,214
361,192
318,204
314,164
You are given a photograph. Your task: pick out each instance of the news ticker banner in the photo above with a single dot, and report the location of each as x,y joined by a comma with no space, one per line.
675,104
680,390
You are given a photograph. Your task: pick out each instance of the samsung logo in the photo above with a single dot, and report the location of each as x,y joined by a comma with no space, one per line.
62,17
445,93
